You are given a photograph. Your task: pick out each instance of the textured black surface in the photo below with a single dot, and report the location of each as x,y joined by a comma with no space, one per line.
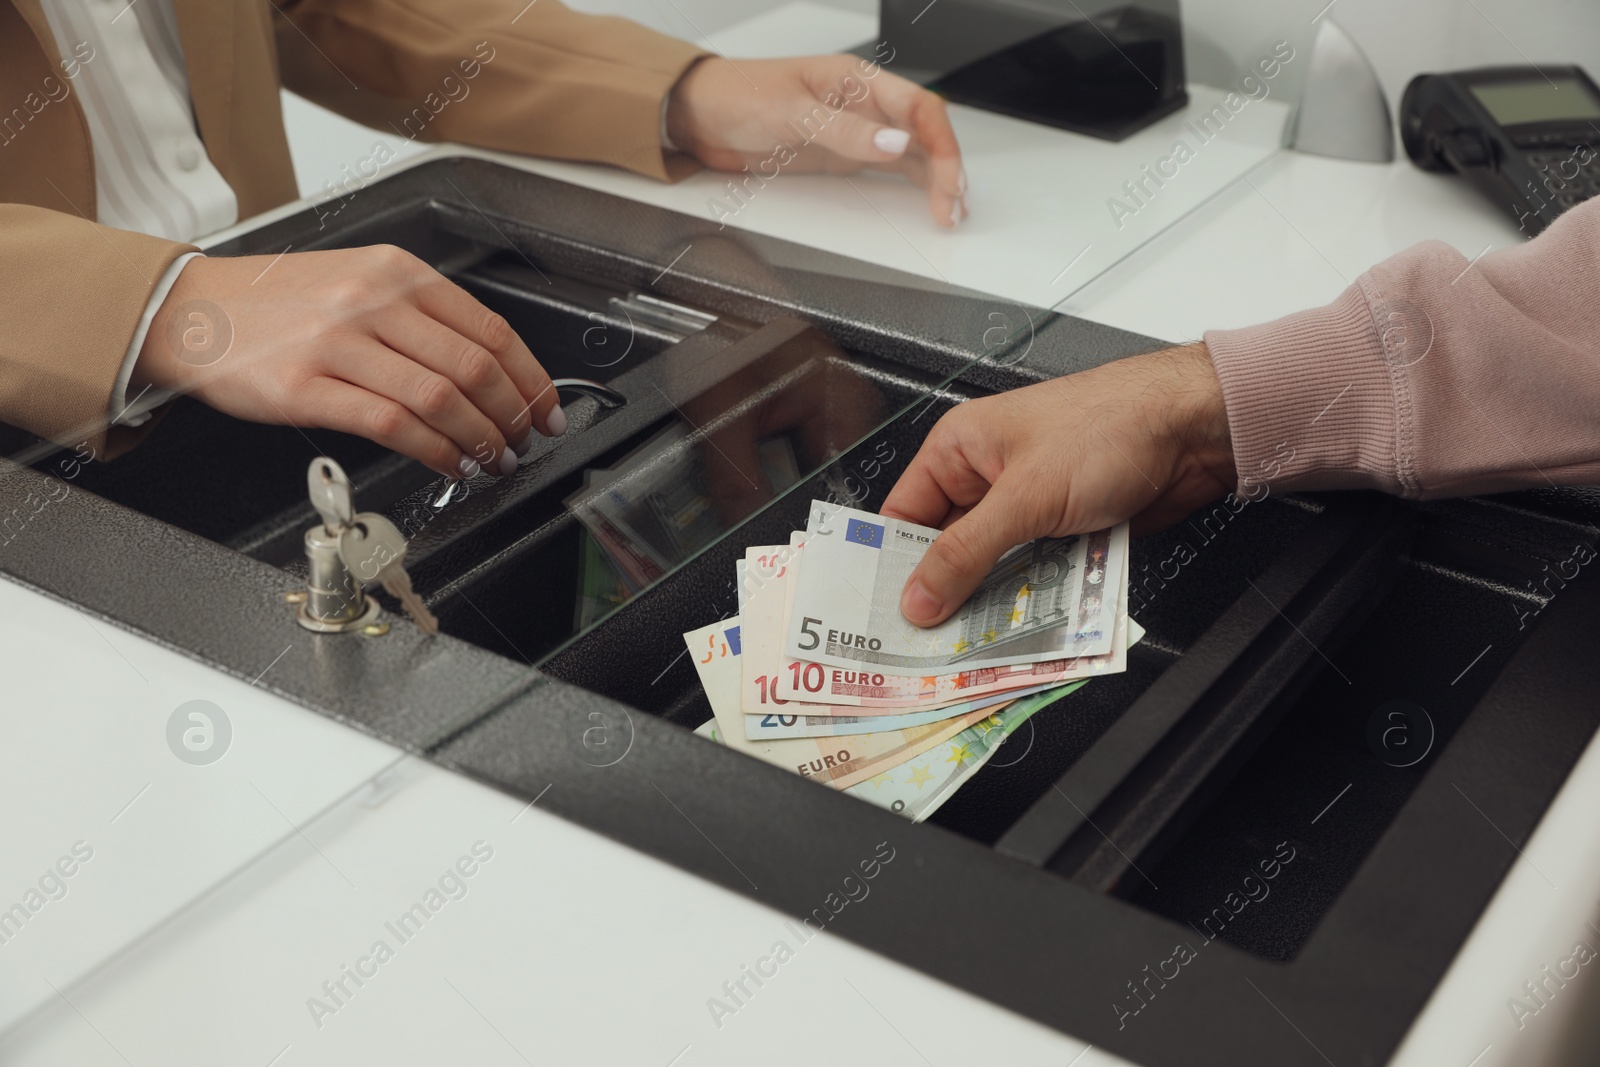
227,610
1384,887
1156,803
1413,647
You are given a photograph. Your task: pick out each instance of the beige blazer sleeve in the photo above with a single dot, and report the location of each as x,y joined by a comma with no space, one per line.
71,294
539,78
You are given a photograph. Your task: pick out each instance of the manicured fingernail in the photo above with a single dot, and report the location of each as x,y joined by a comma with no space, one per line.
891,140
507,463
523,447
468,467
555,423
919,605
961,183
958,210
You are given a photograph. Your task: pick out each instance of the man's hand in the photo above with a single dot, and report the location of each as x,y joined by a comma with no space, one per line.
371,341
762,113
1144,438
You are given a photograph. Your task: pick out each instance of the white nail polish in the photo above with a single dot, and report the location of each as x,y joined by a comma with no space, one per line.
961,183
891,140
508,462
468,467
955,213
555,423
523,447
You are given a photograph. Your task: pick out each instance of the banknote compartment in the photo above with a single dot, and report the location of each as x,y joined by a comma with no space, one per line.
625,659
512,583
1353,587
581,327
1328,765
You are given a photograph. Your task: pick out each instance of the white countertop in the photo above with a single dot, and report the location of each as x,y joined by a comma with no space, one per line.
219,898
560,947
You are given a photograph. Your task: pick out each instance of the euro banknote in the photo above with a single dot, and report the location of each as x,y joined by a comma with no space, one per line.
797,723
1052,599
764,589
836,761
863,691
945,769
920,786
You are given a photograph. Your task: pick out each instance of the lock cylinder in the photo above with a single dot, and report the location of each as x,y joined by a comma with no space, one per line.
334,601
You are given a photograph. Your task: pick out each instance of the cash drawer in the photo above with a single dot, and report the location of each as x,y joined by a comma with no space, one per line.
1245,790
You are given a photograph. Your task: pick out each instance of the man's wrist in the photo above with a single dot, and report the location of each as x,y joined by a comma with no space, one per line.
1198,413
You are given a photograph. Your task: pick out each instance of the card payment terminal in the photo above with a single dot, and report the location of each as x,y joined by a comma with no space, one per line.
1527,137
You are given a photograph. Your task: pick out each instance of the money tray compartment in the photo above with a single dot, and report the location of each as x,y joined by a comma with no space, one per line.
1347,728
510,583
1339,754
626,658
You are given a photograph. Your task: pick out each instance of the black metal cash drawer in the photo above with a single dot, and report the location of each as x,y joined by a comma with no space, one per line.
1185,864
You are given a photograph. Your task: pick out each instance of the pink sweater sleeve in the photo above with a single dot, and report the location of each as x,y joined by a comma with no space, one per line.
1429,377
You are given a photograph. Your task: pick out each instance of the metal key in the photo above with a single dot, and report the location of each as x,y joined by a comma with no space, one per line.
374,549
330,493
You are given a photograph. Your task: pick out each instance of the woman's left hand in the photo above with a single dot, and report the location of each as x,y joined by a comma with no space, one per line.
818,114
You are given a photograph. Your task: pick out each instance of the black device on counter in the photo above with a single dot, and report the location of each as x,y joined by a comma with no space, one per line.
1106,68
1525,136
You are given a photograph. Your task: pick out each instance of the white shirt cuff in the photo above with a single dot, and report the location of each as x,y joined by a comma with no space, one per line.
137,412
666,140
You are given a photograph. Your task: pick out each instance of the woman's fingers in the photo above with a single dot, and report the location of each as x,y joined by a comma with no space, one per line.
854,113
862,139
913,108
339,405
913,166
472,368
431,397
438,376
454,307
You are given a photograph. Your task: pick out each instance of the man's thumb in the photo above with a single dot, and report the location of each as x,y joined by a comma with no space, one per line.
958,559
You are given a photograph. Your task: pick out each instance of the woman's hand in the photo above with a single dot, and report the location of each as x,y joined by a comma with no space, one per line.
818,114
371,341
1143,438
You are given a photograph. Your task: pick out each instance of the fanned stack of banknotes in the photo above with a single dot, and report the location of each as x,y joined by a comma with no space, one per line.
821,674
